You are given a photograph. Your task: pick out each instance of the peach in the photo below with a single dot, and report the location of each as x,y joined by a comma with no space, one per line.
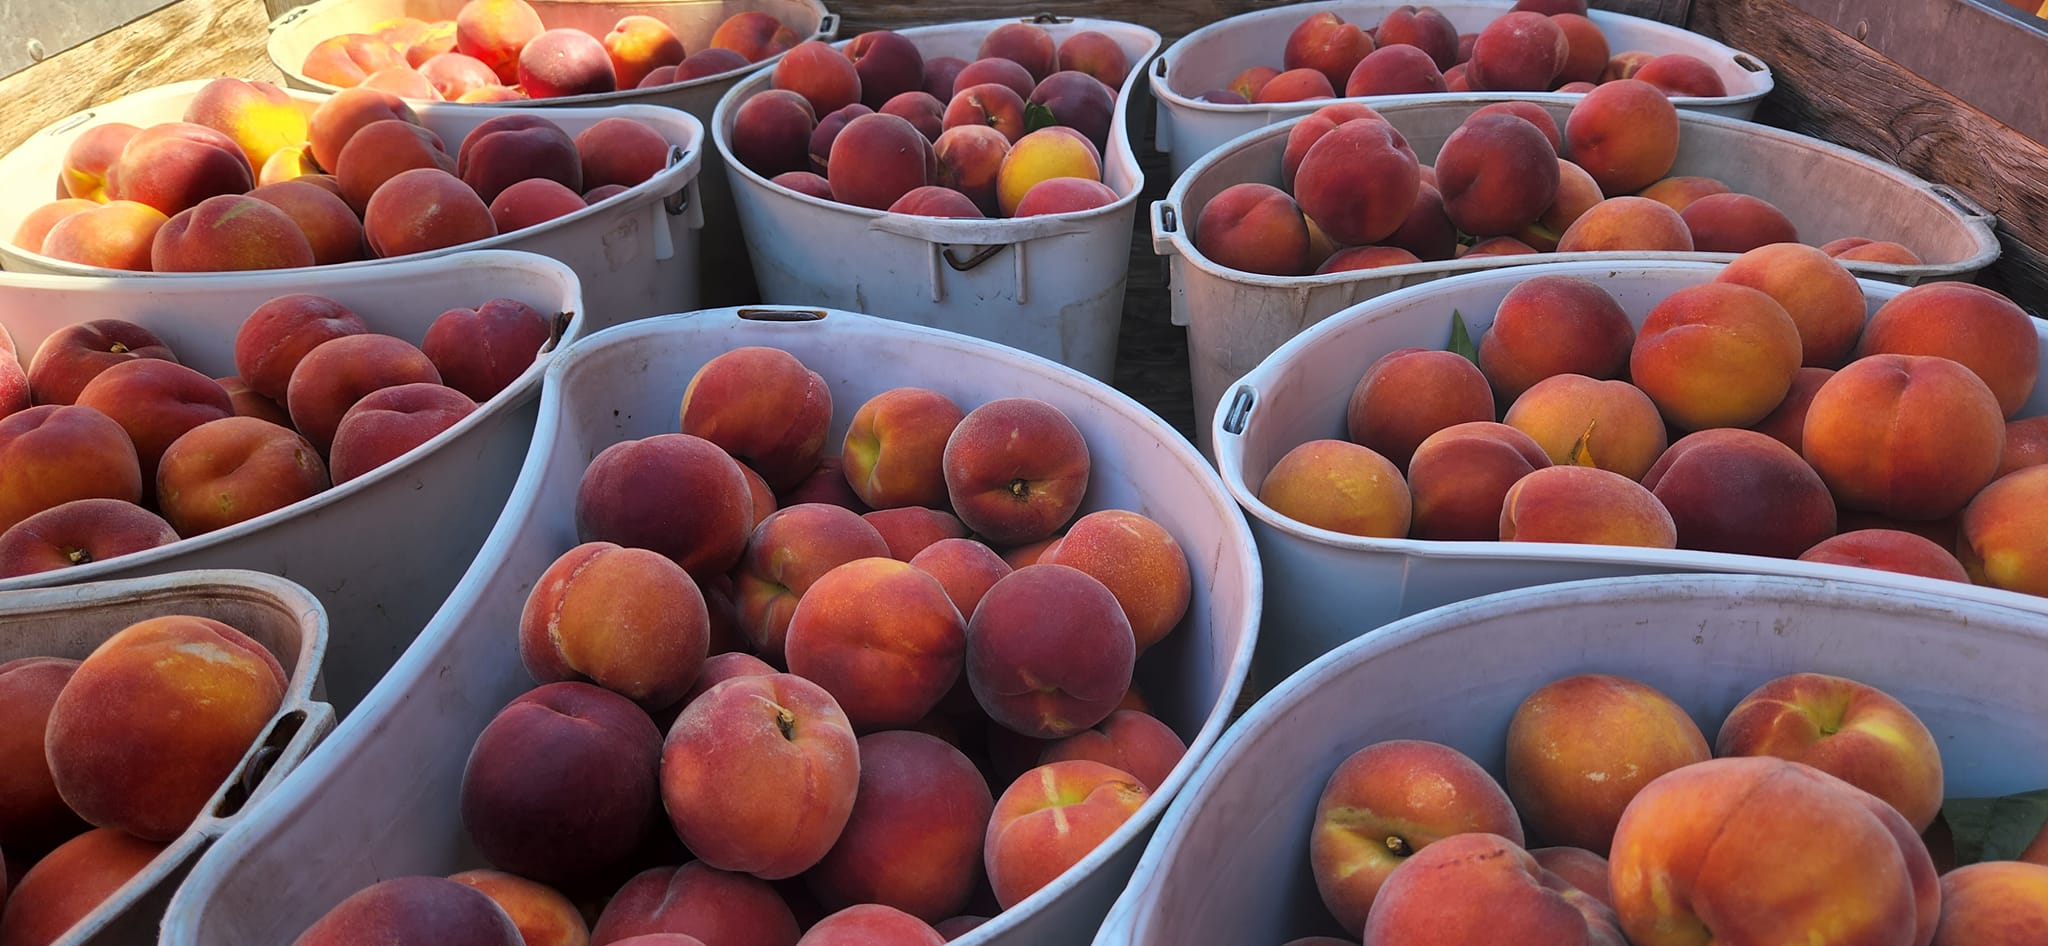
754,35
2005,533
1678,193
1460,475
1636,224
909,530
229,232
346,112
482,351
1426,234
1587,505
506,149
544,917
248,403
1716,355
1578,867
532,202
332,231
895,445
424,209
822,75
66,885
1497,174
887,65
1682,75
805,182
1095,54
995,71
2026,444
935,201
1851,730
33,817
771,132
1871,251
1993,903
1734,814
258,116
388,423
1786,423
155,402
78,532
721,667
90,158
1355,258
758,775
1888,550
988,105
878,158
1021,647
765,408
1060,195
1518,51
1585,48
1254,228
234,469
638,45
563,62
1076,100
348,59
966,569
870,924
1736,223
1249,83
1498,246
1325,43
1733,490
1909,436
1358,182
36,225
175,165
827,132
1296,85
1410,393
826,483
1030,553
1387,802
920,109
790,550
1976,327
1339,486
715,906
1578,420
1051,818
1531,112
1015,470
1577,193
1026,44
52,454
336,374
676,494
1553,325
1823,299
1623,65
1127,740
1313,126
1042,155
415,909
71,356
156,718
402,81
914,840
274,338
1625,134
1579,748
117,235
1138,561
941,75
1425,28
495,31
454,75
1481,887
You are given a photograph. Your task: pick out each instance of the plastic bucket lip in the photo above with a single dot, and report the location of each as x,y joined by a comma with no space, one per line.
684,131
827,28
968,231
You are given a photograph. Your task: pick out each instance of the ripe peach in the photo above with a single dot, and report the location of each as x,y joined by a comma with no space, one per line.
1312,127
1910,436
482,351
1051,818
969,157
1130,741
887,64
1578,867
78,532
1296,85
870,924
1625,134
1059,195
1249,83
1339,486
822,75
713,905
1352,259
1410,393
1851,730
914,839
90,158
1579,748
1358,182
827,132
1736,223
1138,561
33,817
1678,193
805,182
1552,325
1993,903
1481,887
403,81
1497,174
877,159
532,202
117,235
1716,355
1585,504
1627,224
1611,425
1394,70
1683,75
333,376
966,569
1021,644
1577,193
1733,490
888,664
1823,298
895,445
415,909
1325,43
70,882
69,357
1460,475
454,75
753,34
1097,55
229,232
494,32
909,530
155,402
765,408
1076,100
920,109
2026,444
248,403
1026,44
638,45
258,116
1426,28
1518,52
1976,327
424,209
771,132
1888,550
234,469
174,165
347,112
292,163
826,483
347,59
1042,155
52,454
995,71
36,225
506,149
1871,251
679,495
275,337
1015,470
1623,65
331,230
544,917
1585,48
628,620
1254,228
2005,532
1497,246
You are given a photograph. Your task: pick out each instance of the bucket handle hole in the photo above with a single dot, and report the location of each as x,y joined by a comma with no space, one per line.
1047,19
260,763
782,315
1747,63
1240,410
976,259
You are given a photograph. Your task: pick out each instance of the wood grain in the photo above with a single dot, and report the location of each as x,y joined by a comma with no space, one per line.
190,39
1832,87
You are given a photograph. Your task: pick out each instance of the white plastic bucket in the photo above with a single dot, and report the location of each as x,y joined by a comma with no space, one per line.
636,253
1210,57
294,34
1326,586
380,799
1052,286
1230,862
71,621
381,551
1236,318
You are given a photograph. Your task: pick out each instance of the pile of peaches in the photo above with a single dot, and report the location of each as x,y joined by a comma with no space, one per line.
1801,823
500,51
247,180
1018,132
1539,46
1354,196
127,449
1801,430
891,633
105,761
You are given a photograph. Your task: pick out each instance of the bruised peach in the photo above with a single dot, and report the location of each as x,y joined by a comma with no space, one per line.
1051,818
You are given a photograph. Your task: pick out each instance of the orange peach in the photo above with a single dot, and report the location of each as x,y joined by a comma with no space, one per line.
1824,300
628,620
454,75
70,882
33,817
90,158
1051,818
1520,51
1394,70
1552,325
229,232
969,157
1888,550
1339,486
1460,475
822,75
753,34
52,454
966,569
895,445
258,116
1579,867
713,905
2026,444
332,231
78,532
1734,490
494,31
882,637
117,236
1993,903
1636,224
1625,134
1851,730
621,151
1977,327
271,342
346,60
414,909
1097,55
1410,393
1358,182
2005,532
1138,561
1578,420
71,356
1682,74
424,209
1022,643
36,225
234,469
1909,436
1026,44
914,839
638,45
1716,355
876,159
532,202
1587,505
676,494
346,112
1678,193
156,402
1736,223
1480,887
765,408
336,374
1871,251
1043,155
1252,80
1585,48
1127,740
1254,228
908,530
544,917
1579,748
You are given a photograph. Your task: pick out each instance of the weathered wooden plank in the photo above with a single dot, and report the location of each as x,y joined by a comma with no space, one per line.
1172,18
189,39
1832,87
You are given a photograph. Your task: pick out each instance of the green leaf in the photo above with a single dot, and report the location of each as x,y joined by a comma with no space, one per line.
1461,339
1038,116
1995,829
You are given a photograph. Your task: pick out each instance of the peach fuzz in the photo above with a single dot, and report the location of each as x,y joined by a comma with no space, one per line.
1138,561
715,906
507,149
1626,224
1678,193
1461,474
1625,134
628,620
676,494
156,402
1736,223
1049,819
414,909
869,924
895,445
1358,182
1735,813
1586,505
771,132
2004,536
175,165
1385,803
156,718
1481,887
1021,647
638,45
35,227
1026,44
70,882
1739,491
89,158
1577,420
1254,228
1039,156
33,817
424,209
332,231
765,408
234,469
78,532
1553,325
914,839
1410,393
1823,298
275,337
229,232
1993,903
1127,740
336,374
1976,327
1908,436
758,775
1339,486
52,454
1518,51
1716,355
754,35
887,665
1579,748
494,31
909,530
544,917
1015,470
116,235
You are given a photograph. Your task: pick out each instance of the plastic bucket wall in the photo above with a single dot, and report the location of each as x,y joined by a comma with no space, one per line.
1236,318
1052,286
1210,57
346,822
72,621
635,253
381,551
296,32
1230,861
1327,587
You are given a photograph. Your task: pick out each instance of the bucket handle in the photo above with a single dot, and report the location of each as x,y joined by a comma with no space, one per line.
1749,63
289,17
1959,201
977,258
1047,18
70,123
778,314
289,740
1162,117
828,27
1165,224
1240,410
